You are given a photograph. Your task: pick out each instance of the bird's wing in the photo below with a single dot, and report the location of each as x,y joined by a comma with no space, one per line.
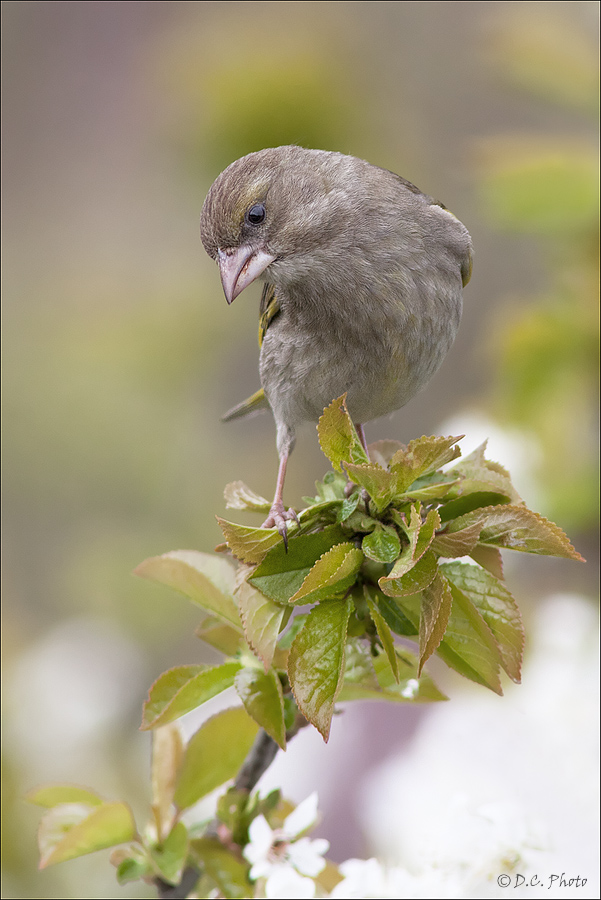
255,403
268,310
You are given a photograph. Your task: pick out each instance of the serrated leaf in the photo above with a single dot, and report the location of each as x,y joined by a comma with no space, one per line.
337,435
72,829
435,486
471,501
498,609
459,543
204,578
261,694
225,869
171,855
184,688
379,484
434,616
394,616
249,544
375,680
239,496
518,528
416,579
426,533
223,637
54,794
333,573
167,756
384,632
316,662
468,645
424,455
281,573
263,620
383,544
490,559
214,754
349,505
481,474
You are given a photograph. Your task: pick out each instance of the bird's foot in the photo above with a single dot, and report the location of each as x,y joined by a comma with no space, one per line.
278,518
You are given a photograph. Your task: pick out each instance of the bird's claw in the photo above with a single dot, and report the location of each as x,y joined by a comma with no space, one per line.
278,518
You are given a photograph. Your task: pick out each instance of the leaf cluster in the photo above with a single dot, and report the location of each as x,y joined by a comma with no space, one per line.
403,543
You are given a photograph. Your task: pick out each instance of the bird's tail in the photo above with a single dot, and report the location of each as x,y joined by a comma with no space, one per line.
253,404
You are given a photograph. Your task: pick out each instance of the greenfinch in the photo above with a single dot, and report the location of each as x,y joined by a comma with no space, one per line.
363,284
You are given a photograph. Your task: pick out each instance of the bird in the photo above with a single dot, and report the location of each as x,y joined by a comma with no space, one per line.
363,276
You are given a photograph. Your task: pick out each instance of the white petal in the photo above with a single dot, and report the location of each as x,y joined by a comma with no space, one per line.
261,839
286,884
307,856
302,817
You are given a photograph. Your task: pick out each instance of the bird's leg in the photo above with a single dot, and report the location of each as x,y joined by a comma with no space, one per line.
279,516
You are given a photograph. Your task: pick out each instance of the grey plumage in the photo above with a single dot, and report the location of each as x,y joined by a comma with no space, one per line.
367,272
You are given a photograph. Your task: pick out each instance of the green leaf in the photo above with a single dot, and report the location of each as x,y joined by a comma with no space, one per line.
414,580
375,679
133,868
204,578
383,544
214,754
489,558
349,505
71,830
480,474
224,868
239,496
517,528
459,543
54,794
316,662
225,638
468,645
434,486
281,573
498,609
249,544
383,631
395,617
261,694
171,855
337,435
298,622
184,688
424,455
379,484
333,573
333,487
263,620
167,756
434,617
474,500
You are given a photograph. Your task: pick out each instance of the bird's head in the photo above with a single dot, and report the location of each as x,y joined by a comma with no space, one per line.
264,209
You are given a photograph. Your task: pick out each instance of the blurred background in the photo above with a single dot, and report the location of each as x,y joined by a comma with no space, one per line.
120,353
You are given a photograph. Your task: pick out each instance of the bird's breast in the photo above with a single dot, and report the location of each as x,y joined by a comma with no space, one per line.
379,353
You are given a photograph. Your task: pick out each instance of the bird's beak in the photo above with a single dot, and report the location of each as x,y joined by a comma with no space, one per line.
240,267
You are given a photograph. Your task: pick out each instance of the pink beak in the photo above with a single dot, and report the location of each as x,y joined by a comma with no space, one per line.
239,268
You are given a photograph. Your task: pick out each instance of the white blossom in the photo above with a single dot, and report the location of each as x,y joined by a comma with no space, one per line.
286,860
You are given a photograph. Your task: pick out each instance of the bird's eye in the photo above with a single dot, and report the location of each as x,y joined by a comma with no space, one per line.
256,214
